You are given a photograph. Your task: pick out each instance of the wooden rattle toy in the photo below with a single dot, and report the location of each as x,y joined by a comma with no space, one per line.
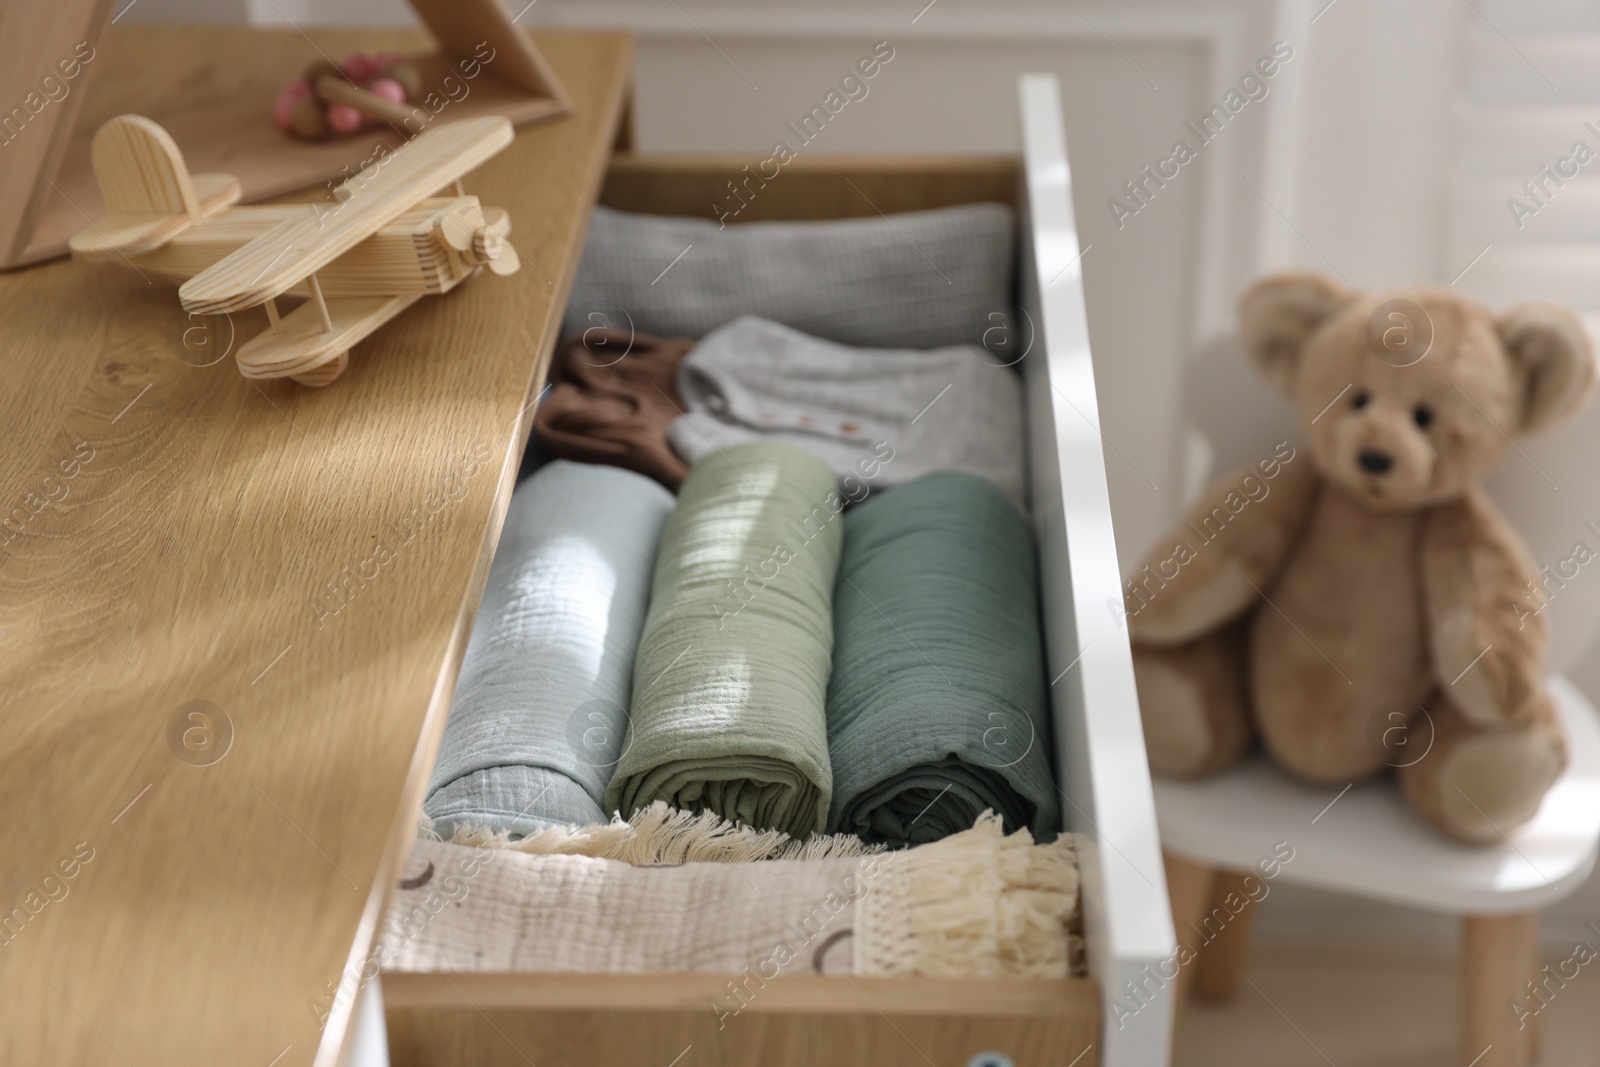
388,240
342,99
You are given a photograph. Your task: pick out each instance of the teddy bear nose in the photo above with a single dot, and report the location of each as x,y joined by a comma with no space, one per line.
1375,462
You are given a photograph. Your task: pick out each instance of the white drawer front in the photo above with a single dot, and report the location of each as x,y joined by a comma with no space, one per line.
1100,744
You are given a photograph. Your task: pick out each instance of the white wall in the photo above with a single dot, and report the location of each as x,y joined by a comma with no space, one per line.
1379,131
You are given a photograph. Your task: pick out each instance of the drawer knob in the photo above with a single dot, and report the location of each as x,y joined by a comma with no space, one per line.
990,1059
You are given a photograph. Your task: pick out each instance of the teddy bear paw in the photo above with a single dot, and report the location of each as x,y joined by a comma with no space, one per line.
1466,666
1491,783
1180,720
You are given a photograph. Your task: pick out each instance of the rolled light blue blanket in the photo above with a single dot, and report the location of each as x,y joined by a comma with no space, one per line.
914,280
540,710
937,702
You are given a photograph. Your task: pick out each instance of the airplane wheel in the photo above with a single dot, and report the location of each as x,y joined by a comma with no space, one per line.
325,373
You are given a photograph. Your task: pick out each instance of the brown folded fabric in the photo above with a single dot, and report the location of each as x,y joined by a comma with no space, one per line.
611,398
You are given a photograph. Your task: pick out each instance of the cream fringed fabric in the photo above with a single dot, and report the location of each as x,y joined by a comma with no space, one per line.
977,904
659,834
507,911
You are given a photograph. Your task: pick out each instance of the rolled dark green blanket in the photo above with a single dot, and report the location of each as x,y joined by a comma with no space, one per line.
732,669
937,703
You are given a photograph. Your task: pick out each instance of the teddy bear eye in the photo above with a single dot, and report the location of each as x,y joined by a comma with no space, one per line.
1422,415
1359,401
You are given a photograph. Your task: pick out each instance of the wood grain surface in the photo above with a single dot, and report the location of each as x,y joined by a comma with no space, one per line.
183,882
624,1036
806,993
694,1020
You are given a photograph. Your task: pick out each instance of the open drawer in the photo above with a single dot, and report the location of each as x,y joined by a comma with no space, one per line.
1121,1015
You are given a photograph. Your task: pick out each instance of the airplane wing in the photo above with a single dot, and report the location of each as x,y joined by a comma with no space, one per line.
290,252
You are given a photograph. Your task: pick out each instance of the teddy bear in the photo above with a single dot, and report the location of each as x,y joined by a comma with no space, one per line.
1357,603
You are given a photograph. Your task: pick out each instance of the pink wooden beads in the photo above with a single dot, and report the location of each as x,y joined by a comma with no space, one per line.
300,112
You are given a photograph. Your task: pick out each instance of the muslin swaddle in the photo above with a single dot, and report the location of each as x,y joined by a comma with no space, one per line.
937,703
918,279
728,687
541,706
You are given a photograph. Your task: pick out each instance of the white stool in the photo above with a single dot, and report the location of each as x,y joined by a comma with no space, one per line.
1367,842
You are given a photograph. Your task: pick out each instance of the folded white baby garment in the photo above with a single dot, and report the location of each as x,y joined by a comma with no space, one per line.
878,415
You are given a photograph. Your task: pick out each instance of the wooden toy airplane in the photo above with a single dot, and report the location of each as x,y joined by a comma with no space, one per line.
386,242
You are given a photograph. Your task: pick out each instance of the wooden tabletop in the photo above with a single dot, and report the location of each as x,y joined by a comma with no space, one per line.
305,564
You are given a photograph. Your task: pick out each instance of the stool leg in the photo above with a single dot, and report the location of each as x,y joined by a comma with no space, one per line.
1189,888
1498,955
1535,962
1221,965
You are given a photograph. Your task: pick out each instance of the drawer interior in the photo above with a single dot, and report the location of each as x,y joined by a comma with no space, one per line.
589,1019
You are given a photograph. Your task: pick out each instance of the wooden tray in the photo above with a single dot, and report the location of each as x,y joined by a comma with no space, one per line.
48,192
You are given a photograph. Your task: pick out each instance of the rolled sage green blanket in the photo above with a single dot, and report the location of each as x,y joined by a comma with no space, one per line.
937,703
732,669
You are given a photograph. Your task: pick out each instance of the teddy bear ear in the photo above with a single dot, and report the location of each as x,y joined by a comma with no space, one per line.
1278,313
1550,348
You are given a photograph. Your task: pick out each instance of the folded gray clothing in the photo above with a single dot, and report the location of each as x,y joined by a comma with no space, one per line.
945,409
916,280
540,711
